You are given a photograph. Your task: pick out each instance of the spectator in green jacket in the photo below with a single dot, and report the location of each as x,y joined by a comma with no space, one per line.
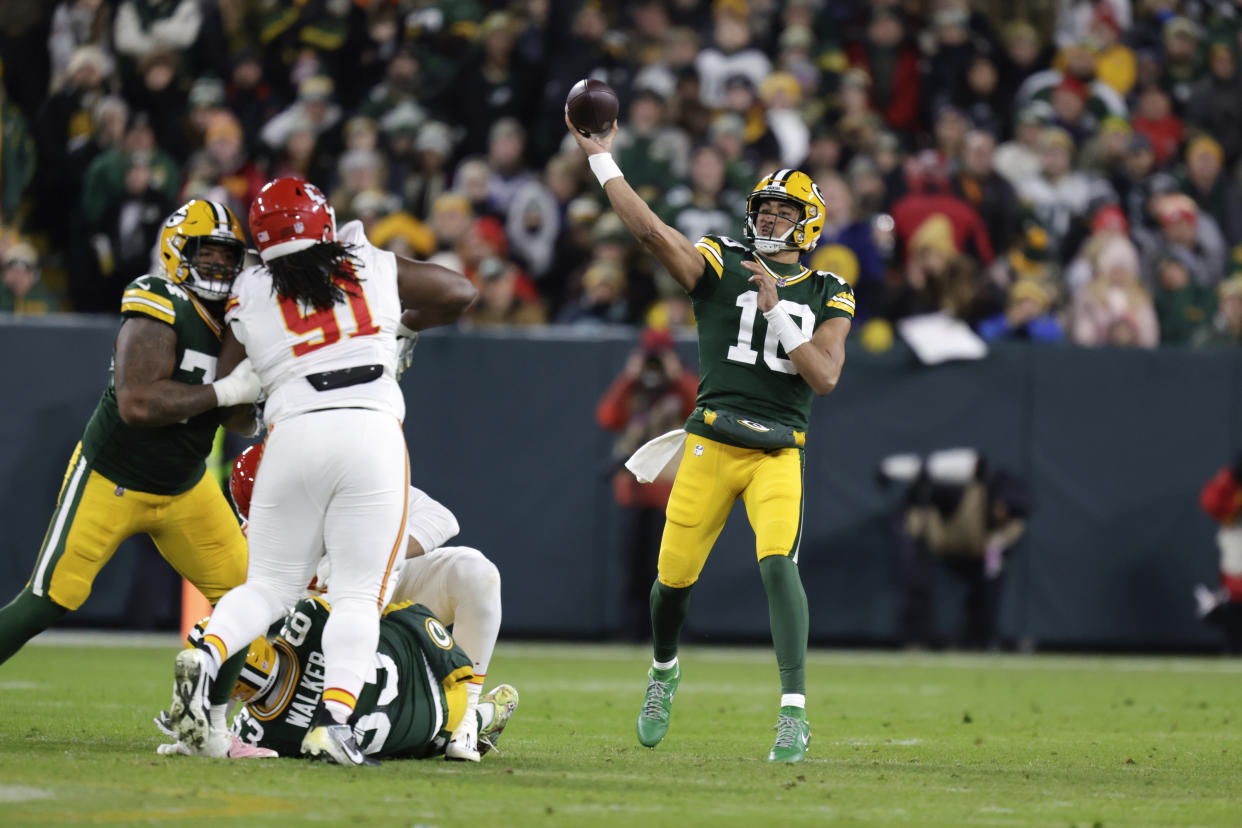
17,158
1182,306
105,177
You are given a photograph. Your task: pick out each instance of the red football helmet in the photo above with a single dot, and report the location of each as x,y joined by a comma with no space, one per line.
241,481
289,215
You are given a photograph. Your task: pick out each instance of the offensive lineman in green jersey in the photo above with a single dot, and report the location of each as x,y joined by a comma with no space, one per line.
771,337
408,710
140,466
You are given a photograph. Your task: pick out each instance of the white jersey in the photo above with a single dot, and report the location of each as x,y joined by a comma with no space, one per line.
295,348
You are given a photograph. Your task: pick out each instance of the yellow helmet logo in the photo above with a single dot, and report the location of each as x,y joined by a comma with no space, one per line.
797,188
181,239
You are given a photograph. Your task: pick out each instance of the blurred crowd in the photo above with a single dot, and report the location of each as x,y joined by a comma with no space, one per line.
1065,170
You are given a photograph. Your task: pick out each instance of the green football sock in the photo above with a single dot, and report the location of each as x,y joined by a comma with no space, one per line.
669,606
227,677
26,616
790,619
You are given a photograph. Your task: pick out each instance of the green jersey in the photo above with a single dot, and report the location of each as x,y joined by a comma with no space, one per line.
743,369
401,712
170,459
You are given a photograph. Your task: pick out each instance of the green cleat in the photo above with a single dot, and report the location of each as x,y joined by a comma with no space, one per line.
653,719
793,736
504,700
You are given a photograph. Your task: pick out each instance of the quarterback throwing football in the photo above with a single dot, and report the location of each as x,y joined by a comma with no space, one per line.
771,337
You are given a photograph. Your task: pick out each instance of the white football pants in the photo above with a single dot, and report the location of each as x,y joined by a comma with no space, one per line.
334,481
462,587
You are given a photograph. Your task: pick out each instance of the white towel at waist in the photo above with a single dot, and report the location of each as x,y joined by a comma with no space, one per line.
653,455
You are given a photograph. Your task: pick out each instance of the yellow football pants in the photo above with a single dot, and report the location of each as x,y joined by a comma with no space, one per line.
195,531
711,477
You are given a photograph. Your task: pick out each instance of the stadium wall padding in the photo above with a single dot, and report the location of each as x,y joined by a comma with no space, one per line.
501,429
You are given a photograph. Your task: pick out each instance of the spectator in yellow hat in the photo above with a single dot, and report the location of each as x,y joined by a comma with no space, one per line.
1026,316
1215,193
21,292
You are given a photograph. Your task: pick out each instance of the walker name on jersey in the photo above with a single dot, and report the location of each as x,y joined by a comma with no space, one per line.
306,696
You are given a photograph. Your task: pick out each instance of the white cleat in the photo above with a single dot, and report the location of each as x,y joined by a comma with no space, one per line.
187,715
464,746
333,742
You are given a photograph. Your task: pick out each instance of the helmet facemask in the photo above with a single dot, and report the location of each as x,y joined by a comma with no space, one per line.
211,280
788,238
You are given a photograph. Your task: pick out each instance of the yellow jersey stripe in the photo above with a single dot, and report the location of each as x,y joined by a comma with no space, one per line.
841,307
843,298
711,245
149,308
139,293
711,252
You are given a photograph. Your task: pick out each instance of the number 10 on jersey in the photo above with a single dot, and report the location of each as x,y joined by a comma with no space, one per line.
744,353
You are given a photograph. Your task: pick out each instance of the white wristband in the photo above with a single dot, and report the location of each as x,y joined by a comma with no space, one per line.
788,332
604,167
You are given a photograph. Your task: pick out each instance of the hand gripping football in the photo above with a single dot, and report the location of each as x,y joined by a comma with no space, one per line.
592,106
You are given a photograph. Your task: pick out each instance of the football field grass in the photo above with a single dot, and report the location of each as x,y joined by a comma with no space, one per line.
899,739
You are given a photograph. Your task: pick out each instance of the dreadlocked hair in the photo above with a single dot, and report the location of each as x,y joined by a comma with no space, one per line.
315,275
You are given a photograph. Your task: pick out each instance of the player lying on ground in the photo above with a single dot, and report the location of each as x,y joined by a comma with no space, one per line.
771,337
457,583
409,709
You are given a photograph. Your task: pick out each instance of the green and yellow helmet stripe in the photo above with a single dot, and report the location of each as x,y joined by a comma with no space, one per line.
199,219
796,187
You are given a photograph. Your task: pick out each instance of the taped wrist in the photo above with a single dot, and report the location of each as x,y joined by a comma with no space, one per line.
604,167
788,332
228,391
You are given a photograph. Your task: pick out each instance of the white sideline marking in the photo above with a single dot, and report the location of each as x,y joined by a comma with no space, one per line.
17,793
19,685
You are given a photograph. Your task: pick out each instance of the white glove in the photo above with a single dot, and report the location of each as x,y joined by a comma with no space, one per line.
406,340
241,386
237,750
175,749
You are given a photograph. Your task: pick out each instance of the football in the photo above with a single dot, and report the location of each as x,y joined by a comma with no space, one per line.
592,106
